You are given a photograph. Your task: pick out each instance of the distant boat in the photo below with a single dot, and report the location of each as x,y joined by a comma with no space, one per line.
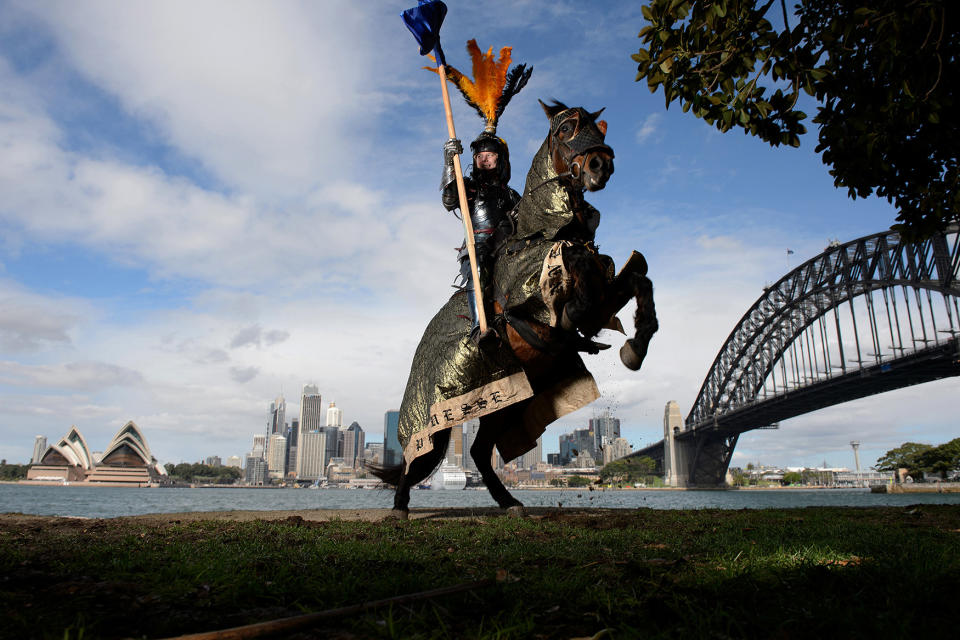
449,476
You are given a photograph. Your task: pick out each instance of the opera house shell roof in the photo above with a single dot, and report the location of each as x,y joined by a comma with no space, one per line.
126,460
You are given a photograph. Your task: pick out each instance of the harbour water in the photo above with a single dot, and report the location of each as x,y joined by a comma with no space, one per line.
111,502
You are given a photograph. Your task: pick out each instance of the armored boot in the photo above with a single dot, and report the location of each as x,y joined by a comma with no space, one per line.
487,339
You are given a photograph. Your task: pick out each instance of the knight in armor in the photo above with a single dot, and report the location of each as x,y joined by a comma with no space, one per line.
488,194
490,200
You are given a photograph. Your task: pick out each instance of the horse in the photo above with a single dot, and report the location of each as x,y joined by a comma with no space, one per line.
553,291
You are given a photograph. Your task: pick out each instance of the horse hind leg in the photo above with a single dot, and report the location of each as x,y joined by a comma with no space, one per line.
417,472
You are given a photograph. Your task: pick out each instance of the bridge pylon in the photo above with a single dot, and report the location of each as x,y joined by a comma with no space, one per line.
678,453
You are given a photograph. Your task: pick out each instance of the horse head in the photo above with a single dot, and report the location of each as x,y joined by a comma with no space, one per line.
576,145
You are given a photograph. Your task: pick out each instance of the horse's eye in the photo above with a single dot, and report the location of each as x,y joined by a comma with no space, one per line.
566,127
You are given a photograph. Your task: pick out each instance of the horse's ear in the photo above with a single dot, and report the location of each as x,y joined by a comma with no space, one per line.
596,114
602,125
554,109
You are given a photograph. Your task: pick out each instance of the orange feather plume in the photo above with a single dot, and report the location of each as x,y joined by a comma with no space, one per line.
492,86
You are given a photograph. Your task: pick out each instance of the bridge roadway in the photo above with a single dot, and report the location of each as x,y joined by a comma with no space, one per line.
925,365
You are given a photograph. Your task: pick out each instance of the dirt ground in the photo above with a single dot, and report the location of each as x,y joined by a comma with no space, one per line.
316,515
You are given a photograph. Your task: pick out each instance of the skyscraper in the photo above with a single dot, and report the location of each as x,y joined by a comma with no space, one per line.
312,455
39,448
353,443
311,408
259,447
532,458
605,429
470,428
277,456
334,416
392,453
278,416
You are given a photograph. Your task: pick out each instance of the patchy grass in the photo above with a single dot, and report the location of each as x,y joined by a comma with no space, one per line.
785,573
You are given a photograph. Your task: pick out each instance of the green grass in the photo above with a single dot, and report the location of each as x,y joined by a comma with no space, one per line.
801,573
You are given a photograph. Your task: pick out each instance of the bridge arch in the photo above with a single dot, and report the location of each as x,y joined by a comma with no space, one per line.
795,335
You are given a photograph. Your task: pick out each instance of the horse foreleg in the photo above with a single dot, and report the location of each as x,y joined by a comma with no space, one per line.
482,453
634,350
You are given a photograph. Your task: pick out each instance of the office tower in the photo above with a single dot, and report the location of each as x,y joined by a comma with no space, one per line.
212,461
234,461
278,416
312,458
293,432
39,448
532,458
259,447
616,449
470,428
455,448
392,453
277,456
255,472
334,443
334,416
605,429
576,443
353,442
311,409
373,452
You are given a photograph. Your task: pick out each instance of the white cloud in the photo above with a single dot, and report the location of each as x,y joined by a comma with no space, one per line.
650,128
262,94
69,375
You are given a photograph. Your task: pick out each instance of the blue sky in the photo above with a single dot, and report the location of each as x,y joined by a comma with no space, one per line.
205,204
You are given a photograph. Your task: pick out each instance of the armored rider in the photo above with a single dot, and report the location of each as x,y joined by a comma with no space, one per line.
490,200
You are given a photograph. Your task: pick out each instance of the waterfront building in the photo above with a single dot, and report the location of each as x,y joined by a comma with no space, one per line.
277,456
234,461
470,428
605,429
255,473
576,443
292,437
312,458
532,458
616,449
373,452
69,460
126,460
455,447
353,443
334,416
39,446
392,453
259,447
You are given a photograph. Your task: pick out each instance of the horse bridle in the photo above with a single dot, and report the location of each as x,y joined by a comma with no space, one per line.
585,140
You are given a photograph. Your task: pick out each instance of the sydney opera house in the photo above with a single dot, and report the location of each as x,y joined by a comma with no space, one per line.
126,461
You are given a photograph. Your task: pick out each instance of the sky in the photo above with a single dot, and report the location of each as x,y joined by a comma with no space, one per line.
204,205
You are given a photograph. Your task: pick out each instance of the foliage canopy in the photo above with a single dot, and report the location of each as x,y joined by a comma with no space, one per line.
885,74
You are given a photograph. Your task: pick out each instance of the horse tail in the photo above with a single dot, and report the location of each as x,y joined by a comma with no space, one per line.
389,473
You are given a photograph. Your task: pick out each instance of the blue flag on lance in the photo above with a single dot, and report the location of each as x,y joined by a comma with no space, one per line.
424,22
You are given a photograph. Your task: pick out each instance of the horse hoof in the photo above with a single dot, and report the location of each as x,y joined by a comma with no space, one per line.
517,511
397,514
629,356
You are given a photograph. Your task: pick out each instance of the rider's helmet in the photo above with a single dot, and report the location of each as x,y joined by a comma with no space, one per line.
488,141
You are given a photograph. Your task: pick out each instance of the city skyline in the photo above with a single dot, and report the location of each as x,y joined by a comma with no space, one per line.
205,205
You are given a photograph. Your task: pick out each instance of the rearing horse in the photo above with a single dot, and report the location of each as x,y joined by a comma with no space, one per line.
553,292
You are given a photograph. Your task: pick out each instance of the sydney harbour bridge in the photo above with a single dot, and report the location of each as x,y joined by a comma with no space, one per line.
864,317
